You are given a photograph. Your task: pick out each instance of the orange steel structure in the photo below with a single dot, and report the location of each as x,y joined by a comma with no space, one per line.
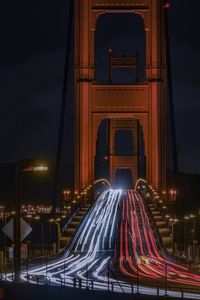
144,101
118,162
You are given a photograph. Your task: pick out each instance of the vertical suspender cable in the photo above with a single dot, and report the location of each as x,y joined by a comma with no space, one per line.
63,108
171,100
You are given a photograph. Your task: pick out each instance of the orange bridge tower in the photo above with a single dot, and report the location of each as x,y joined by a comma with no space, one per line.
143,101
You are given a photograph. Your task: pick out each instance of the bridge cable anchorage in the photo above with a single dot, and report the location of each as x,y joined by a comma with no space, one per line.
63,107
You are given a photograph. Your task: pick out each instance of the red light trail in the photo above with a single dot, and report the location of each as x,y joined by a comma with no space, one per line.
140,249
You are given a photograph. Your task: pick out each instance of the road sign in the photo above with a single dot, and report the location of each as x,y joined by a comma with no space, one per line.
8,229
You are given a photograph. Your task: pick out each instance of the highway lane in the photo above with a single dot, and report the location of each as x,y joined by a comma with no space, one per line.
93,246
140,252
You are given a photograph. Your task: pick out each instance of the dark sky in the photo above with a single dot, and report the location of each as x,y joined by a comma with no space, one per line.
33,35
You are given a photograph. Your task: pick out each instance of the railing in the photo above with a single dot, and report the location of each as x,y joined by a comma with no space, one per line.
71,217
110,284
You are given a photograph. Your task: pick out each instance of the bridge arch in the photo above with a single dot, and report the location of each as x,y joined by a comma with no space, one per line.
124,178
126,37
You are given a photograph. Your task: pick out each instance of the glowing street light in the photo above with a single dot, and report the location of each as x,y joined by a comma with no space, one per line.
173,194
192,216
172,222
36,167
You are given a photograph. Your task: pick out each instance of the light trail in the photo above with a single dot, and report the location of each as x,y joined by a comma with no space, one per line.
92,250
139,249
93,245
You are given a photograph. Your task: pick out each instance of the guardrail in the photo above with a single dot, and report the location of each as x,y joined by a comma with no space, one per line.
111,285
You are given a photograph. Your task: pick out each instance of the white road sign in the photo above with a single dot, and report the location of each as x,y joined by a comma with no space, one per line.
8,229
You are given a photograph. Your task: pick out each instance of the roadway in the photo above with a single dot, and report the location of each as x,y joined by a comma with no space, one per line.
141,253
121,215
92,248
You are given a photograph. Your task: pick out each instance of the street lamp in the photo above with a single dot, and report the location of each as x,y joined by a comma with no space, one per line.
67,197
79,200
57,222
38,218
50,230
173,222
173,194
29,219
185,231
5,238
76,193
26,165
193,231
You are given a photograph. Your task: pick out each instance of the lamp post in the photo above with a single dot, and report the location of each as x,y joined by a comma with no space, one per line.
5,238
57,222
50,231
173,222
193,231
67,198
64,198
38,218
185,231
192,217
26,165
76,193
29,218
173,194
79,200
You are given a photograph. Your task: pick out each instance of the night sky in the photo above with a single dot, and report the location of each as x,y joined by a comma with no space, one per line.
32,56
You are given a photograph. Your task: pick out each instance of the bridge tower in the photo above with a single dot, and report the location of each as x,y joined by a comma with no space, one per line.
143,101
